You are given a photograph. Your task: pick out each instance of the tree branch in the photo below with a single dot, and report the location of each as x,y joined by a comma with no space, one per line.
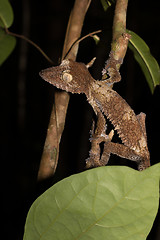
119,42
50,154
120,37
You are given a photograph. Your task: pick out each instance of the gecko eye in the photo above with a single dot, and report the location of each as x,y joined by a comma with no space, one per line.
67,77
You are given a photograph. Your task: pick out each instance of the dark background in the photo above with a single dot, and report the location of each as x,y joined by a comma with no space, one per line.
27,100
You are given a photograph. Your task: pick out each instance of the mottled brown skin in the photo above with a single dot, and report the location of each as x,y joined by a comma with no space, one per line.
75,78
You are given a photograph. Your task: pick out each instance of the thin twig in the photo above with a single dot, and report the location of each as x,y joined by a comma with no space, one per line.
31,42
82,38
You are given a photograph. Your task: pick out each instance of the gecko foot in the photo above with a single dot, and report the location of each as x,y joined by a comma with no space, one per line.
93,161
103,137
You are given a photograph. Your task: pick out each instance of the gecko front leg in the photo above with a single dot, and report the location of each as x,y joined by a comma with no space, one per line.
98,136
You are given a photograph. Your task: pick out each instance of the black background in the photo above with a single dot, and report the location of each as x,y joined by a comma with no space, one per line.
27,100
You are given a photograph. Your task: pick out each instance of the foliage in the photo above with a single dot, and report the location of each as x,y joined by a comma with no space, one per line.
6,14
106,4
112,202
146,61
7,43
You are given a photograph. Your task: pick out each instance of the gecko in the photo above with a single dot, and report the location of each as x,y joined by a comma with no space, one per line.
74,77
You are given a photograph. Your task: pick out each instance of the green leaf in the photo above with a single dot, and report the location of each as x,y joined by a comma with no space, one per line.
106,203
7,44
6,14
96,38
106,4
145,59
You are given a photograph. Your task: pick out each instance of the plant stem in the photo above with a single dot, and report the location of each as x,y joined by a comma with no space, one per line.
120,37
119,22
49,160
119,41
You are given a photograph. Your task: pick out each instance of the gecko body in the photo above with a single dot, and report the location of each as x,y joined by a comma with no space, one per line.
74,77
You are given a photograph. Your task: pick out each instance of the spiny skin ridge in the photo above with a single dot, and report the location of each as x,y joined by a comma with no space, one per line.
119,113
122,128
116,125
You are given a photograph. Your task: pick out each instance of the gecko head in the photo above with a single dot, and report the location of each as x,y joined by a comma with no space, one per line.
69,76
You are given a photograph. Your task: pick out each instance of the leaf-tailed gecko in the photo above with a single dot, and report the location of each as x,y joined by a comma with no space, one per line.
74,77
